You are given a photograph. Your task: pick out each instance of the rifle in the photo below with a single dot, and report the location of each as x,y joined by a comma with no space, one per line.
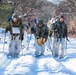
67,39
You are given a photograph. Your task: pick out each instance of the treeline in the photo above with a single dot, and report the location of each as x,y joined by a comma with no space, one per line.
6,11
42,9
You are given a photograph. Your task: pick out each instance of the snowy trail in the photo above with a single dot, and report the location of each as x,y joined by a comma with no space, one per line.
27,64
4,62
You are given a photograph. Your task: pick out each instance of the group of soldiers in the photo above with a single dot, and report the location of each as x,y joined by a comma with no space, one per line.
55,30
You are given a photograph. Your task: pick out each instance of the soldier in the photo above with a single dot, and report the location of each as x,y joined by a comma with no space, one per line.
49,40
41,35
16,36
60,35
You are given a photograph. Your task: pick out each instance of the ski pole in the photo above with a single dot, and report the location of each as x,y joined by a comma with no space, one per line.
49,42
66,47
21,48
29,38
21,44
4,42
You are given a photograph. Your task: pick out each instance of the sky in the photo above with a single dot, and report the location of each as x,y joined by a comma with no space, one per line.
54,1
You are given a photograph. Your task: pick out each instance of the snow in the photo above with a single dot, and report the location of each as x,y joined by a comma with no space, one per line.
27,64
70,64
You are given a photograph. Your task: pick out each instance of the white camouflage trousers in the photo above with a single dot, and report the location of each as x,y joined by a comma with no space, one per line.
39,49
59,47
14,46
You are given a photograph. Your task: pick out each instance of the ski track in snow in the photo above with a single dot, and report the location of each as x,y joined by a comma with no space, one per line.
27,64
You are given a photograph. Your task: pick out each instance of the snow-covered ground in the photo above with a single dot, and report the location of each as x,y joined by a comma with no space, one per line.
27,64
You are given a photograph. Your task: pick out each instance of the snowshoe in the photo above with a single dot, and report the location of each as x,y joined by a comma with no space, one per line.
37,56
14,55
55,56
9,56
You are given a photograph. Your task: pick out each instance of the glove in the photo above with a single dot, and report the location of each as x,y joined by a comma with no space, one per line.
43,40
21,38
39,42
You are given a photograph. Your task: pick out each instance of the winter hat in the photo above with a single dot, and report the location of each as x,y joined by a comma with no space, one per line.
62,16
40,22
15,16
